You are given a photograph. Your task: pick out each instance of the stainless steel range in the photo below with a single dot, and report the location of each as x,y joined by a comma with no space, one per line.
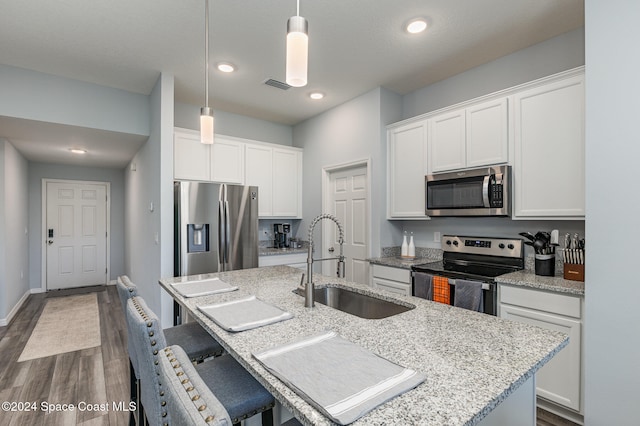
476,259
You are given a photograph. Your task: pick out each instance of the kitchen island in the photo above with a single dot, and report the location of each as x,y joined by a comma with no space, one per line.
479,369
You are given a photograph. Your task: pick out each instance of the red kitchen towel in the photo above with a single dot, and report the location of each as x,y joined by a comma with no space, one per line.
441,290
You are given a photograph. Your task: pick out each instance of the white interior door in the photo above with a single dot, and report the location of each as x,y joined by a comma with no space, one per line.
75,234
348,201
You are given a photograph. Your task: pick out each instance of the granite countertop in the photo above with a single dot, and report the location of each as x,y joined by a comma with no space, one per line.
527,278
472,361
400,262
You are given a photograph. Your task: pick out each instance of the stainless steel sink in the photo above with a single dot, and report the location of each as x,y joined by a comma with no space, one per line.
358,304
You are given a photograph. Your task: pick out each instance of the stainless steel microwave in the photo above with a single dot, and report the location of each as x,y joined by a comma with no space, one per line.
483,191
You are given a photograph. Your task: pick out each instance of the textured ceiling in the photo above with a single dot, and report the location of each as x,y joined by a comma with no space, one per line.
355,45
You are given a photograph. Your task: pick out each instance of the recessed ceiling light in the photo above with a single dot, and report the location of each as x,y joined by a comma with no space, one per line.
78,150
226,67
416,26
316,95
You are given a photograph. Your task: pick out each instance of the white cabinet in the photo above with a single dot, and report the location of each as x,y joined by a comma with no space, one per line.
447,141
559,381
549,168
297,260
394,280
227,161
470,137
191,159
221,162
259,172
406,170
277,172
487,133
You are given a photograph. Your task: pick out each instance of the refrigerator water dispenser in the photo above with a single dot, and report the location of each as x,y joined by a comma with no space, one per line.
197,238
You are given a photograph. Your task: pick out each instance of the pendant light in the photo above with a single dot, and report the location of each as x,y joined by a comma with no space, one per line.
206,113
297,50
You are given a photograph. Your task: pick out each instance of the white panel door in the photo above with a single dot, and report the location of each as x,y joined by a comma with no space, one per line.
76,234
348,192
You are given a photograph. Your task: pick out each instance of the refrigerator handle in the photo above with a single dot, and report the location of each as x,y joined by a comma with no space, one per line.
227,235
221,235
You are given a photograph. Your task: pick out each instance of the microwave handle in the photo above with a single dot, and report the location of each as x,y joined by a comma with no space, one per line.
485,190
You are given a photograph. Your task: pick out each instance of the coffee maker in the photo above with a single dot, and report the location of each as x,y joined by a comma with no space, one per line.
281,235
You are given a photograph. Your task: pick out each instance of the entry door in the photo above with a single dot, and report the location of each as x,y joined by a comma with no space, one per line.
348,200
76,234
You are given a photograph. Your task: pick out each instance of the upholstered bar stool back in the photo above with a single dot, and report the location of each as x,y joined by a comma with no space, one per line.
189,399
148,341
126,290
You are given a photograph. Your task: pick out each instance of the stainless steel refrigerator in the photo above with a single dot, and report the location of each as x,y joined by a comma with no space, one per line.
216,227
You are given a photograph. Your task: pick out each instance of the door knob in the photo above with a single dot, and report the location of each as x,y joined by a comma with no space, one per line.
331,249
50,242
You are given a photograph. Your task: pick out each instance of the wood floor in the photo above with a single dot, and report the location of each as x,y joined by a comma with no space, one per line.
97,375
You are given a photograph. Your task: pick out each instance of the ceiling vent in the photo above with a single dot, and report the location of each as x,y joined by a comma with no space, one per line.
277,84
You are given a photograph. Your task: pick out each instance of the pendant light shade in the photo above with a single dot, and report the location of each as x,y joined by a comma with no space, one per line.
297,50
206,125
206,113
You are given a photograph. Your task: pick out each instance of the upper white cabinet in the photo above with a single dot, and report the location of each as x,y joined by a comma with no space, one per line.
259,172
487,133
277,172
470,137
227,161
221,162
447,140
191,159
406,169
549,168
275,169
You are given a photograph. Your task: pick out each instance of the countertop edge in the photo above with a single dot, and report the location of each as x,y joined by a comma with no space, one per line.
554,284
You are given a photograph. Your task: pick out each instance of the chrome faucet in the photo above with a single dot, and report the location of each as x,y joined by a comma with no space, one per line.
309,287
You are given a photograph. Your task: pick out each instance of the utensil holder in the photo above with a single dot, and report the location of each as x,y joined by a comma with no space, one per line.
545,265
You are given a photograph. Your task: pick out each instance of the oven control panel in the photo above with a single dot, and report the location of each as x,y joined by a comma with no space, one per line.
506,247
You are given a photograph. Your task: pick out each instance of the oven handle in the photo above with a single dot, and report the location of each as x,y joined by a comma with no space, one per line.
485,286
485,191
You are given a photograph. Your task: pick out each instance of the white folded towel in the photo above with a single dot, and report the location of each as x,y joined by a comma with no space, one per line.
203,287
244,314
341,379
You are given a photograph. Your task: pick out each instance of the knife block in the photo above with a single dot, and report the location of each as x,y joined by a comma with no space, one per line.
574,272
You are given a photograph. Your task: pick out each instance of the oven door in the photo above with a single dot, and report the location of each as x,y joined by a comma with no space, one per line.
489,291
478,192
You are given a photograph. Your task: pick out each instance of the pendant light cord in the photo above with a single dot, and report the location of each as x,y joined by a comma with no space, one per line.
298,7
206,53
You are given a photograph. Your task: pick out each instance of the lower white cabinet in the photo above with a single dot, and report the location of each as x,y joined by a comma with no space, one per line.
560,380
393,280
297,260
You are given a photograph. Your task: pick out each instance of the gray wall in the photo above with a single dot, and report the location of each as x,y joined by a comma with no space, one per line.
14,204
560,53
612,339
349,132
44,97
240,126
39,171
148,179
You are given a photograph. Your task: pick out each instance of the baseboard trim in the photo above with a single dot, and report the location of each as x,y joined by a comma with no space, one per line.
6,321
560,411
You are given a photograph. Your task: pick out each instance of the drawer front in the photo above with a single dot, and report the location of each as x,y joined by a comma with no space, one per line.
393,274
392,286
541,300
294,259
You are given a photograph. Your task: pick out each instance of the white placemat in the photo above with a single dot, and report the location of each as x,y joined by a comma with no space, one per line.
203,287
244,314
341,379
